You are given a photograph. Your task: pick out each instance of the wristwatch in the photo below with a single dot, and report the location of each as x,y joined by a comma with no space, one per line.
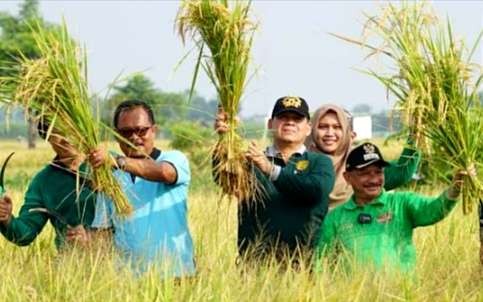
121,162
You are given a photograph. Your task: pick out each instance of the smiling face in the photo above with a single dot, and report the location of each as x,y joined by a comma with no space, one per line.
328,133
289,128
135,126
366,182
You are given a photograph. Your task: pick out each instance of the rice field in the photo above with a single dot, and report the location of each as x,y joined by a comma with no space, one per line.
447,270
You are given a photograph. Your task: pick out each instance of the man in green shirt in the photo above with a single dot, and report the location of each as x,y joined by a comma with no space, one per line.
296,184
375,228
52,195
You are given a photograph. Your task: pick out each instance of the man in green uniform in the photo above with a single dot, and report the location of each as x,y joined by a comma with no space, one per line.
296,185
373,227
481,230
52,194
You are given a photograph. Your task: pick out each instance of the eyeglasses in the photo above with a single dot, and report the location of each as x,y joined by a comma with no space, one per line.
128,132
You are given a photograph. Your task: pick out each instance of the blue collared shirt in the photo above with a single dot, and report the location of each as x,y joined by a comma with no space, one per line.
157,231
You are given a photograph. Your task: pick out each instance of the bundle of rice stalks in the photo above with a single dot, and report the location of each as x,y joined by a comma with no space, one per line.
55,87
227,32
436,88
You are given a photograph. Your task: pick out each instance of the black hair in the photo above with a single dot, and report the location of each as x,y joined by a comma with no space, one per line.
130,105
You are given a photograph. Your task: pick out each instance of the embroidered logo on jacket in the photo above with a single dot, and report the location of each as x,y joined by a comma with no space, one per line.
383,218
302,165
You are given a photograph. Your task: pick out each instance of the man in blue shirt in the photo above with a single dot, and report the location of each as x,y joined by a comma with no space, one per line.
156,184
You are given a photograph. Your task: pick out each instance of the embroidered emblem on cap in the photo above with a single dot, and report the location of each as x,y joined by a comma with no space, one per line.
369,148
292,102
302,165
370,152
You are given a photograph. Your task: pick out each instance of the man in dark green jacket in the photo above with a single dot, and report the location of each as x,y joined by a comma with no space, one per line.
296,184
52,194
375,228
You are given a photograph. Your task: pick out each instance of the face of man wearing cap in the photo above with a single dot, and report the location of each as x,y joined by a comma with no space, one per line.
289,127
366,182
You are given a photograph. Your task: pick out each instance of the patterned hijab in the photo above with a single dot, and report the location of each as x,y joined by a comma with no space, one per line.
342,191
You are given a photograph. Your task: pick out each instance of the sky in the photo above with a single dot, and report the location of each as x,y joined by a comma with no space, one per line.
293,54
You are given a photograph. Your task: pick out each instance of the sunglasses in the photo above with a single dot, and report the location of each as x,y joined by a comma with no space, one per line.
128,132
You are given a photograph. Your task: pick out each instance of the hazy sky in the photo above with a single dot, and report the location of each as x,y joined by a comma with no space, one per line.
293,54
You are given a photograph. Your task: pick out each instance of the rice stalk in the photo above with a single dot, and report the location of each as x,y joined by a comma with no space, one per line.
227,32
54,86
434,86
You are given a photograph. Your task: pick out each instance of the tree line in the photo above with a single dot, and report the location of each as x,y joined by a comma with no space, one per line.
171,108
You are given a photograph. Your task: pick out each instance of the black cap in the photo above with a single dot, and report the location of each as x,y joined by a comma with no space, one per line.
291,104
363,156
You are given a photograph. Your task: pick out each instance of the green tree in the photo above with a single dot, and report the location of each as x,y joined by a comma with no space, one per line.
201,110
167,106
16,39
361,109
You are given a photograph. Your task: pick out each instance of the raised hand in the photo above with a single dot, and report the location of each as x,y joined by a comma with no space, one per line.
5,210
99,156
255,155
77,235
458,180
221,125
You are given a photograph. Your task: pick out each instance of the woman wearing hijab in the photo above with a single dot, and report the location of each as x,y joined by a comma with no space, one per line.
333,135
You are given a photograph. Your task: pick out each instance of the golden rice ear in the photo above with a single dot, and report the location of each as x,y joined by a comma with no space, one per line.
55,86
224,28
434,86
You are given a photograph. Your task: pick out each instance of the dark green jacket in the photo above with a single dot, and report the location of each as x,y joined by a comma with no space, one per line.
293,207
54,189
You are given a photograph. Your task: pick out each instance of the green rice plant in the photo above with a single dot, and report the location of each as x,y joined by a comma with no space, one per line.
436,88
54,86
228,33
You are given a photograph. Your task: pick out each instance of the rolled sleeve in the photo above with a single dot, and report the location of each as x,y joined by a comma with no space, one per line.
180,163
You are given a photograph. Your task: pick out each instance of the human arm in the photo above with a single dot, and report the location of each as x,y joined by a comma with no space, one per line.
24,228
78,235
401,171
146,168
150,169
223,163
309,184
426,210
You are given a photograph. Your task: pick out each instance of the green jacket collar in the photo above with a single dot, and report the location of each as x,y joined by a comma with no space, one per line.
379,200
